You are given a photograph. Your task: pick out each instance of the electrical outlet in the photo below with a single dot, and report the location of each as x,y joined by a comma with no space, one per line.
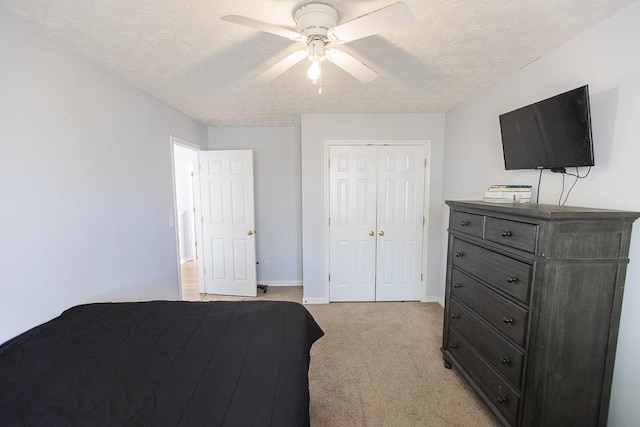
267,263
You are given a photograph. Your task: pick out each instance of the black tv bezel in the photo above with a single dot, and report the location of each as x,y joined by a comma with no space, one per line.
559,167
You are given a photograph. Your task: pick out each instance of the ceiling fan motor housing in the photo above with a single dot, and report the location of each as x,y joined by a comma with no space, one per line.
315,19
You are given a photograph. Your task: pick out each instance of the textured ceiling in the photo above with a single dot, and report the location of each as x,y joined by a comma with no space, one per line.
181,52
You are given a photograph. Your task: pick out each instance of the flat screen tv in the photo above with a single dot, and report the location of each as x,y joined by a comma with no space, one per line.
551,134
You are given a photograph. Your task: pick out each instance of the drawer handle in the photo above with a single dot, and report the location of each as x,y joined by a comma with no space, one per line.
453,345
464,223
506,234
457,285
512,279
459,254
505,361
507,320
455,316
502,400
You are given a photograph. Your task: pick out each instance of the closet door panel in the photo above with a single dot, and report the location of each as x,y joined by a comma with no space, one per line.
400,208
352,186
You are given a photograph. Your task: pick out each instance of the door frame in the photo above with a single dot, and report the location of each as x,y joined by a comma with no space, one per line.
173,141
427,191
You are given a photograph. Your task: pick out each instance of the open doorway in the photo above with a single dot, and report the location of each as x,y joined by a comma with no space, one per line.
215,228
185,166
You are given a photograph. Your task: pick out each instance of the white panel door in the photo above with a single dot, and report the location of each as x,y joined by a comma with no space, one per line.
400,222
376,209
226,185
352,207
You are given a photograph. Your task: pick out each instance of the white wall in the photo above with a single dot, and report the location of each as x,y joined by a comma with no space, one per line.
316,129
85,184
606,58
276,155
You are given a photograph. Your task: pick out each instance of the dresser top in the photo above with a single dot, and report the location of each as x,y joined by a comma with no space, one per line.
543,211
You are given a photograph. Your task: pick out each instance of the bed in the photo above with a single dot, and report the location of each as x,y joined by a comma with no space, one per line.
162,363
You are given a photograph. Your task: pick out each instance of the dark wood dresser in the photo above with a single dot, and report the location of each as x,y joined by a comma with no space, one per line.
532,308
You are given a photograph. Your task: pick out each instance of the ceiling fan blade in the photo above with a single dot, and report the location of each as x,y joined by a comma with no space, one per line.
379,21
351,65
264,26
283,65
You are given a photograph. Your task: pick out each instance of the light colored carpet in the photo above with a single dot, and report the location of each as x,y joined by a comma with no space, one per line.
379,365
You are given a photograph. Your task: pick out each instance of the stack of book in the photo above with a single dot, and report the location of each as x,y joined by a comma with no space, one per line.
508,194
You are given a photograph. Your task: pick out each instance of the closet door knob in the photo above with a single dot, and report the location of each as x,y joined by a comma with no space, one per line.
250,233
372,233
380,233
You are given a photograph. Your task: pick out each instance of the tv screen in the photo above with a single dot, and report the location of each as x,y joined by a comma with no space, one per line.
554,133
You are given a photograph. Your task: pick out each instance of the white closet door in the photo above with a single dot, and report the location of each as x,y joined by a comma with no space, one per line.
352,207
400,212
376,208
228,222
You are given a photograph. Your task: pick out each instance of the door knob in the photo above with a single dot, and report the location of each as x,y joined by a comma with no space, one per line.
380,233
250,233
372,233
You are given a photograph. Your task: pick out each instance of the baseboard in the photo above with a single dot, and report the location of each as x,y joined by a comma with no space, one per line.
434,299
318,300
280,283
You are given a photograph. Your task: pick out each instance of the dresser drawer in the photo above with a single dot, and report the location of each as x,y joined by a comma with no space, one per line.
515,234
500,271
497,391
463,222
504,357
502,314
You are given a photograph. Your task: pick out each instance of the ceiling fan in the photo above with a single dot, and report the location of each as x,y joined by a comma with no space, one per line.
318,27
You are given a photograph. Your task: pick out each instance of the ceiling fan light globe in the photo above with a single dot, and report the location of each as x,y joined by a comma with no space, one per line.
314,71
